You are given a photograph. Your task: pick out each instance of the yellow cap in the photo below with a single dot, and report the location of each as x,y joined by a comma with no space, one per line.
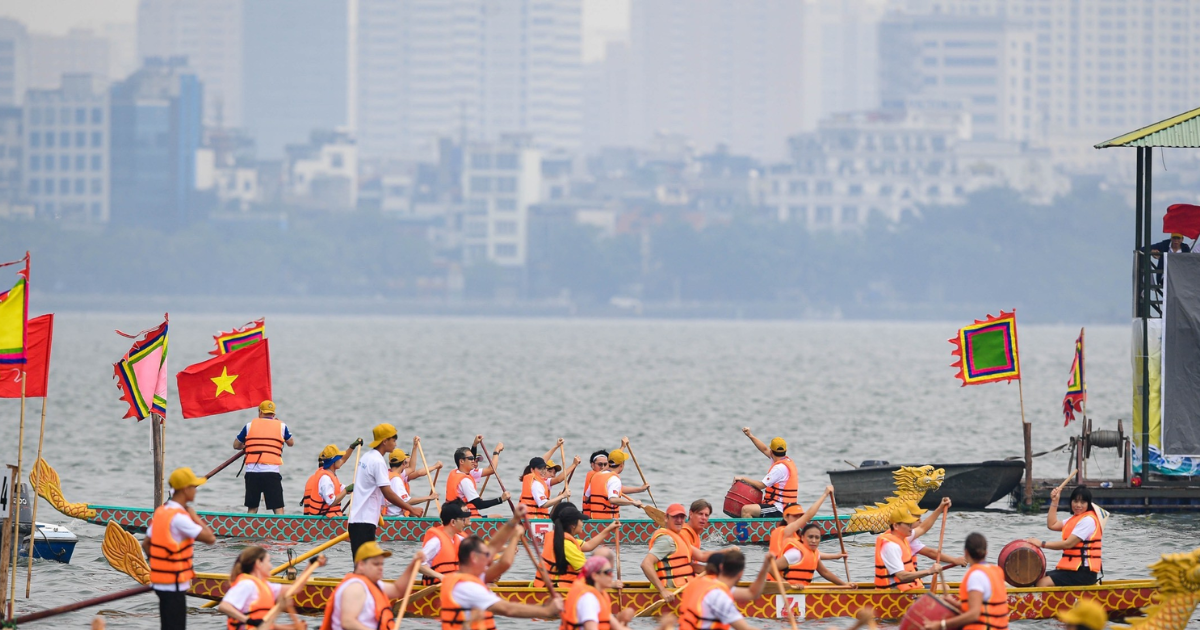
902,515
184,478
1087,613
266,406
793,509
617,457
778,445
1174,234
550,464
370,549
397,456
330,451
382,432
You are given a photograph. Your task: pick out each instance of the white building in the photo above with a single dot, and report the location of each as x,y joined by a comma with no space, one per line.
67,140
209,34
14,63
80,51
470,69
323,173
500,181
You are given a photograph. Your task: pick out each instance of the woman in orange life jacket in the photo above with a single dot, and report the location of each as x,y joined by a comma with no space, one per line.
363,599
1081,541
252,596
557,474
797,557
588,606
535,489
400,474
323,492
982,596
563,554
599,463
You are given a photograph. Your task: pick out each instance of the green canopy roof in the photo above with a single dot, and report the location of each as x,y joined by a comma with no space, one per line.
1182,131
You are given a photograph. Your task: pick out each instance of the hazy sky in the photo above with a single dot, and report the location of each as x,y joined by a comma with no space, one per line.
602,19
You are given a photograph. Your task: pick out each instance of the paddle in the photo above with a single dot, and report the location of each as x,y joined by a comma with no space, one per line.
837,524
500,449
416,597
343,537
629,448
787,604
95,601
938,561
658,516
432,482
269,621
657,606
236,456
410,573
524,521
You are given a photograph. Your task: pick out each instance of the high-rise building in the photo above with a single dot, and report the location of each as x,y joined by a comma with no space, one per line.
500,181
67,146
14,63
209,34
473,69
294,70
156,129
80,51
12,154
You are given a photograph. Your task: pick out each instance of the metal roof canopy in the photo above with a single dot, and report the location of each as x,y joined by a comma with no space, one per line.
1179,132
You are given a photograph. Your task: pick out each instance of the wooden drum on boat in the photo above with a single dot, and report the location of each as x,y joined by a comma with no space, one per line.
926,608
1024,564
741,493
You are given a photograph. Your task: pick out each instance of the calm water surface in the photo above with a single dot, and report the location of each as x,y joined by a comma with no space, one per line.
679,390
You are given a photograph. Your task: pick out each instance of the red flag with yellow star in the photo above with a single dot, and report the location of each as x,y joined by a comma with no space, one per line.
237,380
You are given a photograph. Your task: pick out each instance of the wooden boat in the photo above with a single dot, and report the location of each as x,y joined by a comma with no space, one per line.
1120,597
972,486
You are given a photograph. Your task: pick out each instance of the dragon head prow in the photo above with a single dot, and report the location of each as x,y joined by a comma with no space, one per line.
1177,572
1177,578
919,478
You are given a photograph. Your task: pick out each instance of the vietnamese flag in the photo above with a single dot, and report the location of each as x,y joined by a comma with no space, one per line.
38,332
238,380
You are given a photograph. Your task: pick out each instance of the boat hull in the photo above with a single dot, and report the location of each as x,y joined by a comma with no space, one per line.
969,486
299,528
1119,597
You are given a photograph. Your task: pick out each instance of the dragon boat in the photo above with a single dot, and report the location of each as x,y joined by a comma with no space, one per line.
911,484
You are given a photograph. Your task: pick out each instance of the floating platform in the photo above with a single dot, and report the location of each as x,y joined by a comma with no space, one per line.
1182,495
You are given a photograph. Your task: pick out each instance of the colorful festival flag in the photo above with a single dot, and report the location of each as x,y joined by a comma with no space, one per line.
987,350
1076,396
39,335
239,338
238,380
142,373
14,313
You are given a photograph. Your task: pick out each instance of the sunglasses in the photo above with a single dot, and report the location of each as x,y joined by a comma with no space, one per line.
607,571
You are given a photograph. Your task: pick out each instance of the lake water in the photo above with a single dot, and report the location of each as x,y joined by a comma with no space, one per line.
681,391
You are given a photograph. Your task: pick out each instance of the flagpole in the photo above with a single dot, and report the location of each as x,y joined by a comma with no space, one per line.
156,449
1026,428
34,498
16,504
1080,471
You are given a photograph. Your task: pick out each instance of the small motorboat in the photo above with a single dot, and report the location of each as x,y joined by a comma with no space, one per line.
50,542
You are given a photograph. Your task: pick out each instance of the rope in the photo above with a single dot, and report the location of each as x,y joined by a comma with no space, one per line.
1056,449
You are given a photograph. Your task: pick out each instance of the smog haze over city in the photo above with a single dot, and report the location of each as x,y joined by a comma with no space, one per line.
795,159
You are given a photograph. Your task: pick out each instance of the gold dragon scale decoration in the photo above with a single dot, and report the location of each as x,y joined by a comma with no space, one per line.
1177,576
912,483
45,481
124,553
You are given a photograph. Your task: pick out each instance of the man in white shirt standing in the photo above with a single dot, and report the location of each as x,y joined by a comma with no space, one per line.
169,545
373,488
264,438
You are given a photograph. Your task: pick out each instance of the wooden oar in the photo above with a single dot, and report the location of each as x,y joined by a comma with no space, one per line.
410,573
658,516
524,521
938,561
354,477
787,604
432,482
269,621
629,448
240,454
416,597
657,606
837,524
344,536
95,601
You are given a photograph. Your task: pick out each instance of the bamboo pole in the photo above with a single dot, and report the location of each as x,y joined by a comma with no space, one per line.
1027,433
156,450
357,453
16,504
432,487
837,524
95,601
640,473
787,604
33,528
410,573
938,561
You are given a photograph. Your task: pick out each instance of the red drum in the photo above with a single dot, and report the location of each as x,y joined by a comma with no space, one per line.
927,608
1023,563
741,493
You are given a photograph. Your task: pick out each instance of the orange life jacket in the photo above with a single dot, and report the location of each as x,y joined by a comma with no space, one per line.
690,535
587,490
883,579
264,442
691,606
452,481
788,493
550,562
994,613
570,614
801,573
384,619
446,560
597,502
383,509
314,504
676,569
454,616
532,509
259,606
170,559
1085,555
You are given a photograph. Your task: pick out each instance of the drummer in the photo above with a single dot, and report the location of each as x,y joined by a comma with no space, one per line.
982,595
781,485
895,566
1081,541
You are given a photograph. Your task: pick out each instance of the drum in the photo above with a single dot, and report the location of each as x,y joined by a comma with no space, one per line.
926,608
1023,563
741,493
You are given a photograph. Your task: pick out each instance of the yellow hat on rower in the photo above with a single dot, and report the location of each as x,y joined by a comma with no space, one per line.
266,406
184,478
1087,613
397,456
793,509
617,457
778,445
550,464
382,432
330,451
902,515
370,549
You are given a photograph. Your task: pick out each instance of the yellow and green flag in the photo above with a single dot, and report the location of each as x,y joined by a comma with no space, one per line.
14,313
987,350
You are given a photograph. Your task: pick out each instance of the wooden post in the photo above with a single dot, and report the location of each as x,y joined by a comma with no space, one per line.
1027,431
16,503
34,500
7,541
156,448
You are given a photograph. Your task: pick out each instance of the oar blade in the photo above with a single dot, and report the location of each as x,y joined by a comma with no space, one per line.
658,516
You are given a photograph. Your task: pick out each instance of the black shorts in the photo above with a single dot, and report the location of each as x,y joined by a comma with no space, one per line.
268,484
1073,578
359,533
769,510
172,609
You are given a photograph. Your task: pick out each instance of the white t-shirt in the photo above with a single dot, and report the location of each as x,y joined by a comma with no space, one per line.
325,489
284,431
1085,528
468,491
539,492
366,616
720,606
245,592
893,557
978,581
368,498
432,547
613,485
474,596
776,475
182,527
792,555
400,487
587,609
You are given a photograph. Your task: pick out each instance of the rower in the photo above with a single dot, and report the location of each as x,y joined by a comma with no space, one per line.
535,489
599,463
711,601
796,544
894,550
563,554
1087,614
1081,541
461,483
982,596
402,472
440,546
323,492
780,486
374,489
263,439
608,494
588,606
168,544
252,595
668,565
464,592
693,529
363,599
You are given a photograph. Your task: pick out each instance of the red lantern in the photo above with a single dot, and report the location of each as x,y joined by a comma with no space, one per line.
1136,482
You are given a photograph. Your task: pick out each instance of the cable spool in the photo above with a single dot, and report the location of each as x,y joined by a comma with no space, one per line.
1106,439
